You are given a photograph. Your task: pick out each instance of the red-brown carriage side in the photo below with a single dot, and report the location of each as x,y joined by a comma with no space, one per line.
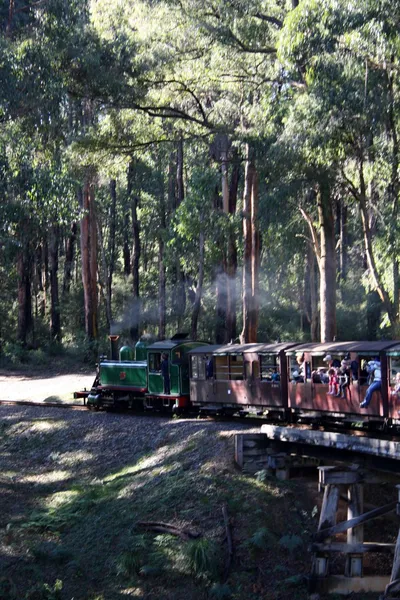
240,378
309,398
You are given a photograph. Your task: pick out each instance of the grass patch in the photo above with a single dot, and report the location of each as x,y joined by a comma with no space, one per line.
83,529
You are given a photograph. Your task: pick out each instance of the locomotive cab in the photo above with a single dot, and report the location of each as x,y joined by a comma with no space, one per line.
168,373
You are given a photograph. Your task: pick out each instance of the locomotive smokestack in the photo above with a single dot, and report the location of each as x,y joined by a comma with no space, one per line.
113,346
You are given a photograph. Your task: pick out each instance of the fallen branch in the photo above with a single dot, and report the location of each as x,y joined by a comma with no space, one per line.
183,533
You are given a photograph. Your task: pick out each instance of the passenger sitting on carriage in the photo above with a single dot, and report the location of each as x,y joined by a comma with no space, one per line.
333,382
396,391
344,380
316,376
275,375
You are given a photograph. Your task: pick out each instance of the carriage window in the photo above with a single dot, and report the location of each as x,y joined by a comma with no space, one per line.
394,369
195,367
198,367
155,362
236,366
296,370
319,370
221,367
270,367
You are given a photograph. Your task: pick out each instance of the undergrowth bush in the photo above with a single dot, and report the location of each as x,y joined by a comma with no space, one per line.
201,557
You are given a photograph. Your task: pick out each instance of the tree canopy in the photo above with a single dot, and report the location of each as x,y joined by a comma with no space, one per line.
226,168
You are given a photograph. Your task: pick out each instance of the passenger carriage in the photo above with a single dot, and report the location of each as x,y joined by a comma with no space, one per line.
243,378
309,398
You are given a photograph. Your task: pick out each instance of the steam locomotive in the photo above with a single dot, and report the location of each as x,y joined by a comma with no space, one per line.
284,381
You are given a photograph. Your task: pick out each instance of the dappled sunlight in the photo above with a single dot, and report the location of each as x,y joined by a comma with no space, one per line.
135,592
47,425
149,462
71,459
48,477
8,474
60,499
27,428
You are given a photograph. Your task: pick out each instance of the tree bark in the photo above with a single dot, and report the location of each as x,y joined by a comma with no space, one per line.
126,251
111,243
343,239
55,320
327,264
25,321
161,269
136,251
103,274
69,258
231,260
250,291
310,293
255,259
176,192
199,287
89,259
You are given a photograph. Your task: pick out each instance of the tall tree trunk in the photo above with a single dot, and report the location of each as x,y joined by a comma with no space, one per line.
111,242
11,7
126,251
161,290
343,239
25,321
69,258
225,290
251,241
393,198
103,274
199,287
231,260
327,264
176,193
133,196
55,320
376,279
221,302
180,188
255,259
310,292
161,268
89,259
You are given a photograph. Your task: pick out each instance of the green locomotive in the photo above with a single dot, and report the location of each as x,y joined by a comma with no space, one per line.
152,376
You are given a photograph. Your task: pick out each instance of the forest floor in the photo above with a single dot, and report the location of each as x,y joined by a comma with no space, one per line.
75,485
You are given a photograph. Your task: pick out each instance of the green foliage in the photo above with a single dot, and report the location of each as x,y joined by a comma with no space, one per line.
45,591
291,543
260,540
201,555
89,88
220,591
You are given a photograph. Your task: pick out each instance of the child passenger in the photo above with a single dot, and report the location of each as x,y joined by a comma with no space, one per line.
333,382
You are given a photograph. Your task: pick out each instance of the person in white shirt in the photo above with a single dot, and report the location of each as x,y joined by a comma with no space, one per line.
374,367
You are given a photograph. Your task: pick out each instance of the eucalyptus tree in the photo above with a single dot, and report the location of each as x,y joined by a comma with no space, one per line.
348,55
216,74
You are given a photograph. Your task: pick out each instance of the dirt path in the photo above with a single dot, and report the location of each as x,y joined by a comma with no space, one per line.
47,387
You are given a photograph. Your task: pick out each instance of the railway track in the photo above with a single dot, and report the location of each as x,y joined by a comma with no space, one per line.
72,406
